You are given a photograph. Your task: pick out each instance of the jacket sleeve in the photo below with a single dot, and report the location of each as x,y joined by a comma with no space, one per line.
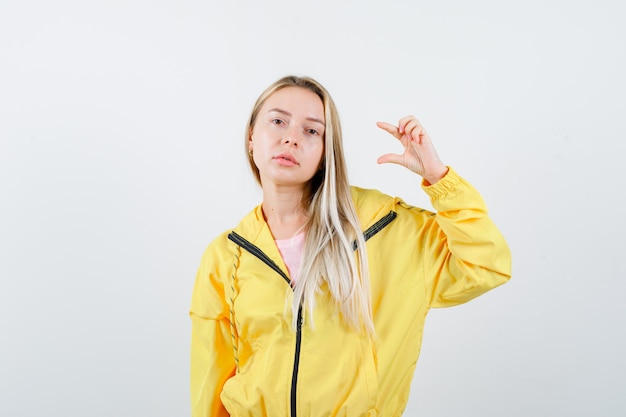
465,253
212,358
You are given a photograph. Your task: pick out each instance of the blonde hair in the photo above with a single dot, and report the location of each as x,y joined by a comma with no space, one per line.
333,227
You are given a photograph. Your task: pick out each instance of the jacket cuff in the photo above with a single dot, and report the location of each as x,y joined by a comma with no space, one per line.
441,188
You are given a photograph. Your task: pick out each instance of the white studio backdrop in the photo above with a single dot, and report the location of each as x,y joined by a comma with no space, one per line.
121,157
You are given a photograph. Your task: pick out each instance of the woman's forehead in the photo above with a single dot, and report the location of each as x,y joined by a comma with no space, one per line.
295,101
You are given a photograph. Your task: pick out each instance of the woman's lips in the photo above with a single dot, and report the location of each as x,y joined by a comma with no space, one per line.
286,159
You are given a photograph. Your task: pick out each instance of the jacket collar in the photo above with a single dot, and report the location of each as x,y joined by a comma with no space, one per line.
371,206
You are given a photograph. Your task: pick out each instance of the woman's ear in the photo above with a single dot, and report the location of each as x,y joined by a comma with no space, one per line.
250,147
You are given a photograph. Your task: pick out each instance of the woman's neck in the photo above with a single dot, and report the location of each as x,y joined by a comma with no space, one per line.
284,213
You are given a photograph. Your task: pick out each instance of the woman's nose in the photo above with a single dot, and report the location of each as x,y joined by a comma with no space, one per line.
291,138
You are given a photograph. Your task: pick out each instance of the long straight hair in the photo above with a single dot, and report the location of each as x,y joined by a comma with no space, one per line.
333,227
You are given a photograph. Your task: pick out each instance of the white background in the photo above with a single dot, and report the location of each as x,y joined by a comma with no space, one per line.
121,157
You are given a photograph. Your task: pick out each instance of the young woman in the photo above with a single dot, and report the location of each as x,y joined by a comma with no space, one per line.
314,305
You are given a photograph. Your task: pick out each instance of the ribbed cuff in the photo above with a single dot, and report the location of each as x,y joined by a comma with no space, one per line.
441,188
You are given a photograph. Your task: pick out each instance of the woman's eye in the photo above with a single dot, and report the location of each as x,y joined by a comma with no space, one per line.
312,132
277,121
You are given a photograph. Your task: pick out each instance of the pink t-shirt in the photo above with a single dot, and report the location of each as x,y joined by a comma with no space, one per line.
292,250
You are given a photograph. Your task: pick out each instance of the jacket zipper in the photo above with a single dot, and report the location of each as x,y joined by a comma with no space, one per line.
296,363
378,226
256,251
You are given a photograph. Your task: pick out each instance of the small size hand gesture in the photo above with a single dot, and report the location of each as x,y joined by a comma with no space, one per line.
419,153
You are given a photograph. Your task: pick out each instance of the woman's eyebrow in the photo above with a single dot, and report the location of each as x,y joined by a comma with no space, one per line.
286,113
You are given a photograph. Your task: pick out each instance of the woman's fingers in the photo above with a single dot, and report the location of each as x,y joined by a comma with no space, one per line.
390,158
389,128
413,128
402,123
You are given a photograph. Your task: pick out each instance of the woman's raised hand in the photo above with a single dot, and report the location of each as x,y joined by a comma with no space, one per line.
419,153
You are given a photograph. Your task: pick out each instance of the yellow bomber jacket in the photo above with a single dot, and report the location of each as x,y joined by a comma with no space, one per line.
246,358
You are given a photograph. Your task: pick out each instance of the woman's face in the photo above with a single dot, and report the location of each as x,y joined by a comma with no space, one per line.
287,138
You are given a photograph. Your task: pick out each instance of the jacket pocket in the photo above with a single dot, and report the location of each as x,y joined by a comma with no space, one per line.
370,375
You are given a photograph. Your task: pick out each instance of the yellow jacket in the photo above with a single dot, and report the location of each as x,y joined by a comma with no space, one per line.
247,360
